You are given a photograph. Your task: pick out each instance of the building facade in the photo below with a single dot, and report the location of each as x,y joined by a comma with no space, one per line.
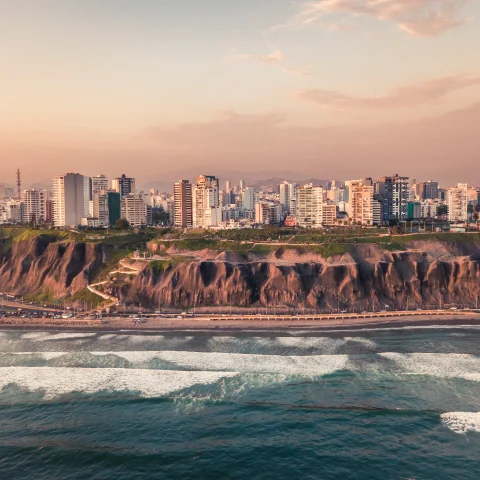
360,207
68,200
309,208
457,201
34,206
183,204
205,195
123,185
134,210
394,191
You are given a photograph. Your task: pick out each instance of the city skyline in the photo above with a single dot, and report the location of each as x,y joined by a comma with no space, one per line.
328,89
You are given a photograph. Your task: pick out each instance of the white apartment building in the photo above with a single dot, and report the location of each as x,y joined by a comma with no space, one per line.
457,201
205,195
360,202
329,214
309,206
268,213
68,200
87,195
34,206
213,216
249,198
287,195
99,184
134,210
14,211
100,208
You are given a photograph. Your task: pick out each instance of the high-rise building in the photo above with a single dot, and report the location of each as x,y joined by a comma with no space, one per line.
100,208
249,198
183,206
205,194
14,211
457,200
288,196
99,184
134,210
268,213
123,185
228,185
394,191
87,196
34,206
309,206
68,200
329,214
243,184
114,207
49,211
377,208
430,190
360,203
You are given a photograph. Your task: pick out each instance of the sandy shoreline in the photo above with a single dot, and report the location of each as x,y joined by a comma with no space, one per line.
471,319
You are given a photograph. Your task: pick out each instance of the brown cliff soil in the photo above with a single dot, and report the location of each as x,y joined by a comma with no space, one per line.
424,274
43,264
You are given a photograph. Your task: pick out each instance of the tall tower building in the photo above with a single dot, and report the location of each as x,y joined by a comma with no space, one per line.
68,199
457,200
34,206
205,196
87,196
288,196
309,206
114,207
360,206
123,185
183,208
394,191
100,208
99,184
249,199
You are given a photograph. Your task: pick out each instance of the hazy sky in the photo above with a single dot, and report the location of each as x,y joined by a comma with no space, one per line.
161,89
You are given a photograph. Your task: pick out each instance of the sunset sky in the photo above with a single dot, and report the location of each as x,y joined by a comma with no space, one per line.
163,89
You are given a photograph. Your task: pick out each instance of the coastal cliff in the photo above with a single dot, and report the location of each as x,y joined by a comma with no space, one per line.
425,274
44,263
362,276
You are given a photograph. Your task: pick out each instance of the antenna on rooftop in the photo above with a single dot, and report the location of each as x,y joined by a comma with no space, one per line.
19,185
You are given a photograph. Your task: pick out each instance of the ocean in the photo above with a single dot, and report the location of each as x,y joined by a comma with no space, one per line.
399,403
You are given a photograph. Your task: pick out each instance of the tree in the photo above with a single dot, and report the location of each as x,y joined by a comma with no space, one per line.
160,216
122,224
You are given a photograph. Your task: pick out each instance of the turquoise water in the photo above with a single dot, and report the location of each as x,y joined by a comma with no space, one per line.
358,404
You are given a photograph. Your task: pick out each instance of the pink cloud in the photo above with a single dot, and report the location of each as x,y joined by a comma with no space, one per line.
425,18
407,96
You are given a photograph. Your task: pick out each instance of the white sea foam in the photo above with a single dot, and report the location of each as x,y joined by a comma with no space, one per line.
46,336
462,422
451,365
60,381
43,355
288,365
324,345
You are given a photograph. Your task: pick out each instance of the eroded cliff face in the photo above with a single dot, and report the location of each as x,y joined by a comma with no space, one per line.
41,264
428,275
